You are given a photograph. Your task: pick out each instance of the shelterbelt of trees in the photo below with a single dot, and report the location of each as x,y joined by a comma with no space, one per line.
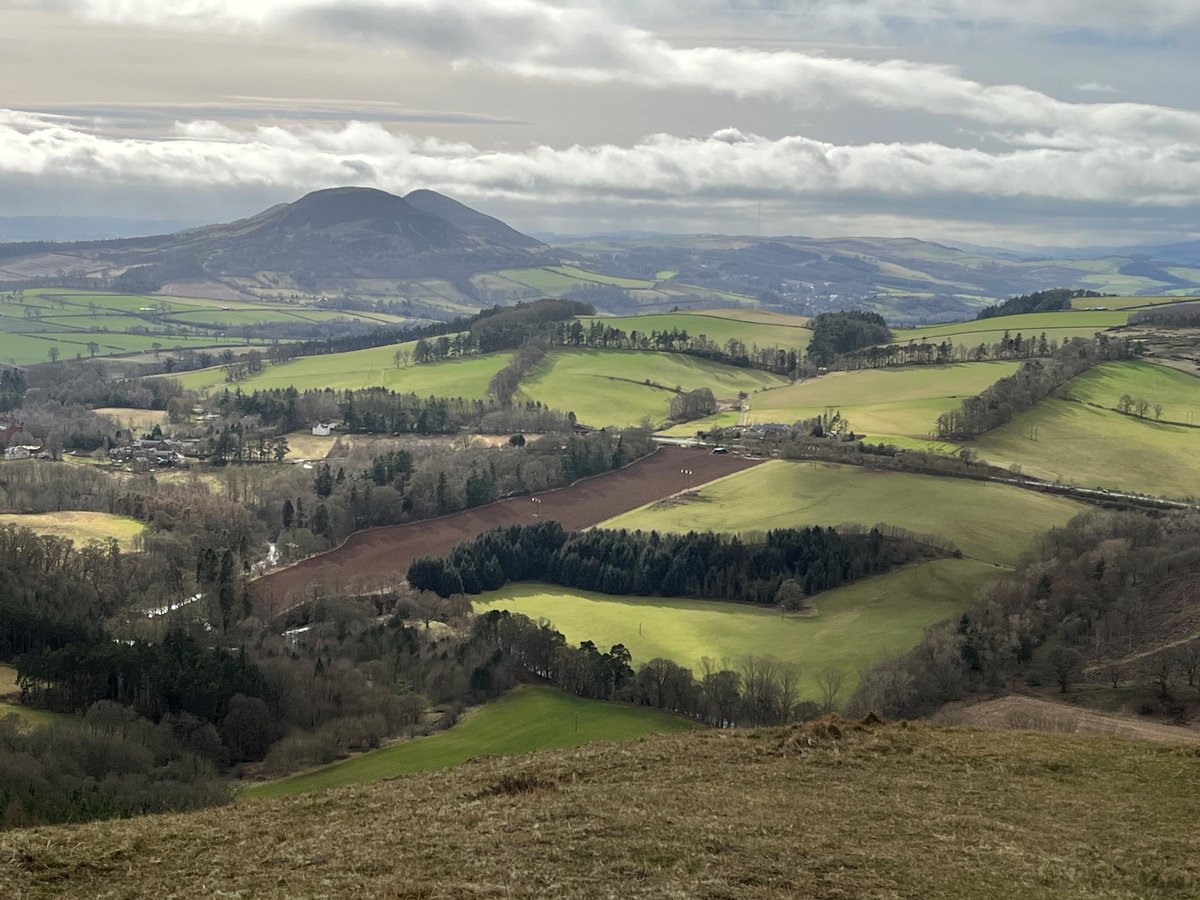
1034,381
785,568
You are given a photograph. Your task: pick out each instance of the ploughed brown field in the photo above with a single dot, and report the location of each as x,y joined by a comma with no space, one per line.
369,556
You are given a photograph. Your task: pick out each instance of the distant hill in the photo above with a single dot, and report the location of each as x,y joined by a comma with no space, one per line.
317,243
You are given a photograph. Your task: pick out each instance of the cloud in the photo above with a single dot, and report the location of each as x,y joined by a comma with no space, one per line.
1096,87
588,45
726,166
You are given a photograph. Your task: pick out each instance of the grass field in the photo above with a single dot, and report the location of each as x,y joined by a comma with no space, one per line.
80,527
607,387
1177,392
526,719
785,331
1084,445
1058,326
374,367
1124,302
143,419
994,523
898,405
856,625
29,717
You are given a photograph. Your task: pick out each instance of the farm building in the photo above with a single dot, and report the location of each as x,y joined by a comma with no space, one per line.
323,429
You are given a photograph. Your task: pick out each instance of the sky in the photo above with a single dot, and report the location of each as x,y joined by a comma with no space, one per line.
992,122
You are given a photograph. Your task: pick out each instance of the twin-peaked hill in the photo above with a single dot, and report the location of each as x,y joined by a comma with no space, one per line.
324,237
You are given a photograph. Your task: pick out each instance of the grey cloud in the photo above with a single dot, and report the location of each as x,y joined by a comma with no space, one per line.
728,167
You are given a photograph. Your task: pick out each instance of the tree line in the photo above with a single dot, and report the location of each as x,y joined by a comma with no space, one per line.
1033,382
1039,301
785,568
753,691
1100,599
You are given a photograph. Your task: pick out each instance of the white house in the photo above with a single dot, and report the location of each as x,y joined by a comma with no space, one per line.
323,429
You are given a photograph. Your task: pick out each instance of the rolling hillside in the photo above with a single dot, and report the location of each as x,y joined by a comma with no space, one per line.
830,810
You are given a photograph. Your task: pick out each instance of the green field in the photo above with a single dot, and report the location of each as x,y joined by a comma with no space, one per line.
790,332
607,387
896,405
994,523
373,367
1081,439
1125,302
28,717
68,320
856,625
1060,326
80,527
524,720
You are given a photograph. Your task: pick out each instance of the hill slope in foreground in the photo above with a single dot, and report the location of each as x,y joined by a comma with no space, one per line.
817,810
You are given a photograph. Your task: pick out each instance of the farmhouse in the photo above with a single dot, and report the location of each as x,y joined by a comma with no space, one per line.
143,455
21,451
323,429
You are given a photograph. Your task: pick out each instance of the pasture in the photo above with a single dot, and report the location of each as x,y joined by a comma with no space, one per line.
855,625
623,387
1094,447
1177,392
784,331
993,523
894,405
10,694
373,367
79,526
524,720
136,419
1060,326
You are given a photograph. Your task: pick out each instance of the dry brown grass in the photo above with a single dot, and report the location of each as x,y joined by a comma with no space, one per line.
831,810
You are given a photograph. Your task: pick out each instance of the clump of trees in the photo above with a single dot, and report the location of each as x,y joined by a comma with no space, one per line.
1033,382
1039,301
697,564
693,405
838,333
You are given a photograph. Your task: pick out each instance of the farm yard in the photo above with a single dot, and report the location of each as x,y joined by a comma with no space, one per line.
524,720
994,523
368,556
855,625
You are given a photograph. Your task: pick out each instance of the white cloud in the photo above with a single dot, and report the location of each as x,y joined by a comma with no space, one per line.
586,44
723,166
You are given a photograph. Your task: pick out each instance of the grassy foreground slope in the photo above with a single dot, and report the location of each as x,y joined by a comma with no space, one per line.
526,719
991,522
856,626
884,812
608,387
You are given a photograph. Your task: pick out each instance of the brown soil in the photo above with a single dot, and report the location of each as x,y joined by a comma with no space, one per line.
370,558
